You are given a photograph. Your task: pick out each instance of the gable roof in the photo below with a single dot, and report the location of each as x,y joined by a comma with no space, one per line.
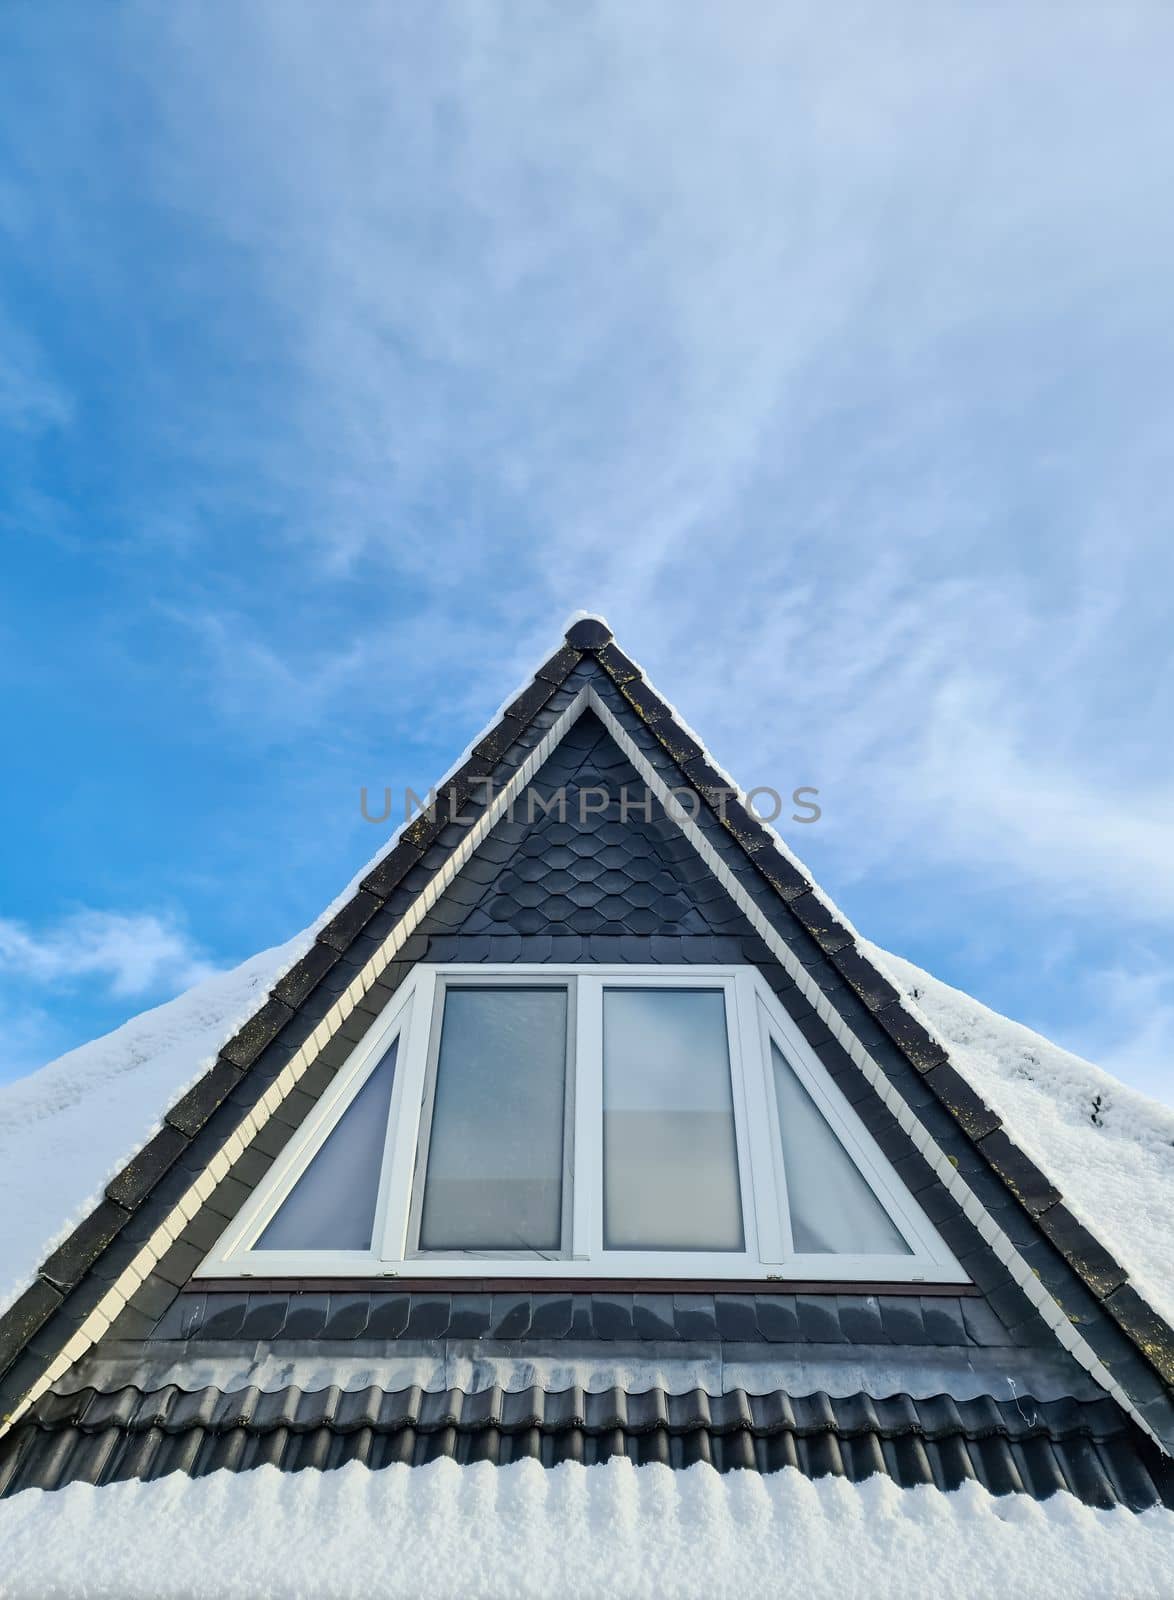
1105,1146
68,1303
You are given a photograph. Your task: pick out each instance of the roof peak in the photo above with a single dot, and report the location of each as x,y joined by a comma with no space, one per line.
587,630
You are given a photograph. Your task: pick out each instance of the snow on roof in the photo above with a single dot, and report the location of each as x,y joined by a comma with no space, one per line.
67,1129
1107,1148
526,1530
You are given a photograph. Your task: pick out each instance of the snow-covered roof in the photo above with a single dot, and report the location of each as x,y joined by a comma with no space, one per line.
525,1530
66,1130
1108,1148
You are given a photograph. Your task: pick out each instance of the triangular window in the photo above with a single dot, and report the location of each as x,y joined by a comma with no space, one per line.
323,1199
833,1210
840,1206
332,1205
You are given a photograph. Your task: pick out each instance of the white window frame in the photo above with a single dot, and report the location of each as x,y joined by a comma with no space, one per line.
753,1017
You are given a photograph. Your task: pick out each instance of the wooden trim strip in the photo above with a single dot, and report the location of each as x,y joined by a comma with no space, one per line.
759,1286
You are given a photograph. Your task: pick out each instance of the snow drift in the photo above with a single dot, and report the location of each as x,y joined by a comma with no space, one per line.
527,1530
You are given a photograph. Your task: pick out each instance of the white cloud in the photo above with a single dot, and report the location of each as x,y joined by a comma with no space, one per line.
829,356
133,954
786,344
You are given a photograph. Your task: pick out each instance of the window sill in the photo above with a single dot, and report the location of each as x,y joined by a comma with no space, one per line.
487,1284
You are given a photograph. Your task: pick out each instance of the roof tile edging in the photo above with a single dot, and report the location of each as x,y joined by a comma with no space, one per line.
729,1410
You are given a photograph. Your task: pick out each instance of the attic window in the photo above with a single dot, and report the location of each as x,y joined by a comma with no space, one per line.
492,1151
670,1154
590,1121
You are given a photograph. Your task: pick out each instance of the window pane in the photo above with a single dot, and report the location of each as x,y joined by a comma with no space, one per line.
495,1155
833,1210
670,1160
332,1205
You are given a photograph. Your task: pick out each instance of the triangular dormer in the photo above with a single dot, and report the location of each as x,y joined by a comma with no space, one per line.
587,1063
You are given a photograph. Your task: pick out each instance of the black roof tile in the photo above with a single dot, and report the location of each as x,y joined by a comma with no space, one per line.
531,700
968,1107
339,933
778,1318
1150,1333
652,1316
260,1030
780,872
225,1317
25,1316
819,1320
1086,1448
737,1317
1035,1192
509,1316
388,1316
1101,1271
876,991
306,1316
613,1316
550,1315
305,974
264,1317
71,1260
745,826
498,740
582,1326
695,1315
346,1316
616,664
647,704
428,1316
679,744
590,633
190,1113
915,1042
562,662
861,1319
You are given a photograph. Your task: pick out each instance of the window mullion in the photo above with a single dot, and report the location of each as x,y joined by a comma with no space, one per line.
405,1119
774,1207
587,1190
762,1186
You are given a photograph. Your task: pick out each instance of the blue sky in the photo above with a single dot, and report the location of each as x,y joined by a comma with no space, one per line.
829,353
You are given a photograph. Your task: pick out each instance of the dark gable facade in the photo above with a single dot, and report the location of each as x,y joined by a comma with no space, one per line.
583,1129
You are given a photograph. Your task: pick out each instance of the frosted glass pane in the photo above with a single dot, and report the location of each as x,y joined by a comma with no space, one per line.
332,1205
670,1159
833,1210
495,1155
